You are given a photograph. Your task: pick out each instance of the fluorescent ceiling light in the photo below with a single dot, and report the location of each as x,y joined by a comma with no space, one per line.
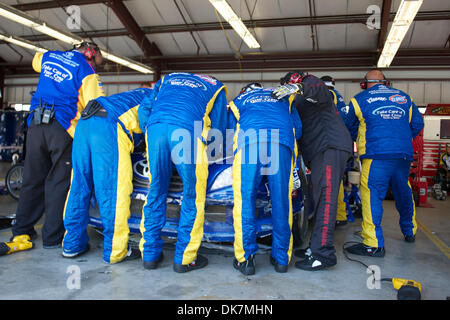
126,62
236,23
62,36
67,37
404,17
28,20
21,42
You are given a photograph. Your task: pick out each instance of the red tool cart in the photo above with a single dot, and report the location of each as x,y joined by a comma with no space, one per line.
428,147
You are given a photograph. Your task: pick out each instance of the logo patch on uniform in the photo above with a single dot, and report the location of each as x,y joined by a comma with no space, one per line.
370,100
55,71
389,112
191,83
206,78
398,99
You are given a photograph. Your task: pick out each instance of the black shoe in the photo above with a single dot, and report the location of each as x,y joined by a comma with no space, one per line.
281,268
133,254
410,238
247,267
150,265
198,263
312,264
303,253
363,250
73,255
340,223
52,246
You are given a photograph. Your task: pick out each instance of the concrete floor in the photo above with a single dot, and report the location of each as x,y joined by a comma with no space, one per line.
44,274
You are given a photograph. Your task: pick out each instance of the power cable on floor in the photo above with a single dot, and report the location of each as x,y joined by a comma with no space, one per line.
407,289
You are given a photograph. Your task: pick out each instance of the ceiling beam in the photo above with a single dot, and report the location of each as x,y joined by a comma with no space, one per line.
54,4
385,14
303,60
134,30
261,23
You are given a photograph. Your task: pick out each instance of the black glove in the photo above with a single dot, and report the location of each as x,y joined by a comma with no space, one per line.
286,90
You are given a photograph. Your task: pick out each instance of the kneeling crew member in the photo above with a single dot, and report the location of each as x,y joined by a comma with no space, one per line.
383,121
102,146
264,125
182,109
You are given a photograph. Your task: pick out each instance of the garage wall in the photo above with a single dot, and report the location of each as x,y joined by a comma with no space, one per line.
17,89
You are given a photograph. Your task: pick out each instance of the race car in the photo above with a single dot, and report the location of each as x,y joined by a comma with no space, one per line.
218,226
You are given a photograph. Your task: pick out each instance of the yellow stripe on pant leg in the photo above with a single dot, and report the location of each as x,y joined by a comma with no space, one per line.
368,228
414,212
142,225
124,189
291,217
239,252
341,207
201,174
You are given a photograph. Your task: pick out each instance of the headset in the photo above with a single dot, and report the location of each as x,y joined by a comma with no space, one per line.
251,86
91,49
293,77
365,81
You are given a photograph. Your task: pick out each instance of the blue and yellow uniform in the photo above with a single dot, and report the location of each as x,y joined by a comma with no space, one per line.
383,121
102,163
264,144
177,119
66,81
339,102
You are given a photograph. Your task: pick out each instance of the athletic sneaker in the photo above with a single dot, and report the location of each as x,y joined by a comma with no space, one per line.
198,263
132,254
312,264
362,250
52,246
247,267
280,268
72,255
150,265
303,253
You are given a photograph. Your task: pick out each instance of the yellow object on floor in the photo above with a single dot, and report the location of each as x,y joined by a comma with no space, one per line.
18,243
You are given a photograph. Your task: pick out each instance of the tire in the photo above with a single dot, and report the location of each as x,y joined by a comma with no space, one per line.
14,180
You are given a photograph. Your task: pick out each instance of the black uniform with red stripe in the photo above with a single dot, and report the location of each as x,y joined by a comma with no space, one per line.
325,146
